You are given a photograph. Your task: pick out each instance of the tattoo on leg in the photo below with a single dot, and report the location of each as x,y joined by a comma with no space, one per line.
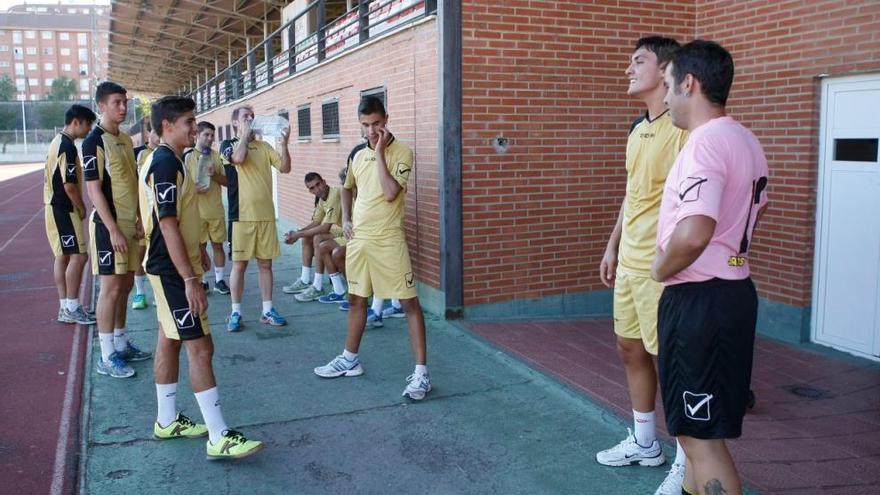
714,487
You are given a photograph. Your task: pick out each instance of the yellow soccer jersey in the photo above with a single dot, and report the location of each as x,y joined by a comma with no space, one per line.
62,167
374,217
329,210
650,152
110,159
211,202
255,183
142,157
167,189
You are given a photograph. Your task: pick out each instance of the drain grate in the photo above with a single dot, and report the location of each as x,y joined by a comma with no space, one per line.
809,392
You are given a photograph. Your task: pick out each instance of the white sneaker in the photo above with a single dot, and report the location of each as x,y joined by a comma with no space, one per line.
340,367
672,484
628,452
417,386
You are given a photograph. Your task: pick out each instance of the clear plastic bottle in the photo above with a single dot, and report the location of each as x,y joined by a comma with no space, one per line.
203,180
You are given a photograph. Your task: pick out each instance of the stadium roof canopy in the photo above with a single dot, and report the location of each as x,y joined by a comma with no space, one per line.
160,46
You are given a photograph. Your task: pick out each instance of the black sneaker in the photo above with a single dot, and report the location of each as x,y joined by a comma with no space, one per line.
206,287
221,287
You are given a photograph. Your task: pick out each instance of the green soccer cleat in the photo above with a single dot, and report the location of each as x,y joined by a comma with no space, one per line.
181,427
233,445
139,302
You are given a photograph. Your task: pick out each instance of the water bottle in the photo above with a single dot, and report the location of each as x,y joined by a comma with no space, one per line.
203,180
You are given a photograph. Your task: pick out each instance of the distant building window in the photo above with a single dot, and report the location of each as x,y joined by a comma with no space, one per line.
16,36
19,53
330,119
4,63
31,35
2,32
33,82
4,48
83,69
378,93
46,35
83,96
66,67
49,82
304,121
19,69
35,97
82,39
31,50
32,66
48,51
65,52
19,84
83,55
48,66
83,84
63,36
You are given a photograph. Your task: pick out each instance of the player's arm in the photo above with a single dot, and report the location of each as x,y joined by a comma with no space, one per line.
239,154
688,241
71,181
608,265
217,174
93,156
346,198
285,166
390,187
75,195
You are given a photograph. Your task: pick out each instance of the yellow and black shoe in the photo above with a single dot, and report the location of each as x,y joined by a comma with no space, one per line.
181,427
233,445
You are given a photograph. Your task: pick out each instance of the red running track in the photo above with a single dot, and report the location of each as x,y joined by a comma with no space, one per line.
41,360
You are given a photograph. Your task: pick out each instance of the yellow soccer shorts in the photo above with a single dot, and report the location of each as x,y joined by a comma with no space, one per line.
380,268
212,229
254,240
64,231
636,300
338,235
106,261
172,309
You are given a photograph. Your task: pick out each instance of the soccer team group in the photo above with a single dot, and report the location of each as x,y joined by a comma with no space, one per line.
685,308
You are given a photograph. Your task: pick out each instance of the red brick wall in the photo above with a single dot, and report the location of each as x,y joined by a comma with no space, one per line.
406,64
779,49
548,75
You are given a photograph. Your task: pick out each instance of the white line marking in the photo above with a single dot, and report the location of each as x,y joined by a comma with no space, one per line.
19,230
19,194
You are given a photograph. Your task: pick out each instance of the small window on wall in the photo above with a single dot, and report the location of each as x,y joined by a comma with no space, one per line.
304,122
330,119
378,92
229,134
220,134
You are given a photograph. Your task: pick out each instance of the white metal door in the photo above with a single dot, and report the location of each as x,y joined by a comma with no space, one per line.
846,295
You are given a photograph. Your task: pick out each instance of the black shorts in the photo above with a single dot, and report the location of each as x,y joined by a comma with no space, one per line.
229,235
172,309
707,337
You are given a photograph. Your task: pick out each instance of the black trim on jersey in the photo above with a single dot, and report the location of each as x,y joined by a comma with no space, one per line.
647,118
90,167
60,199
137,151
226,148
164,169
354,151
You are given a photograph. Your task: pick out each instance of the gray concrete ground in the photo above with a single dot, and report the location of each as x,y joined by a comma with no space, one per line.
491,424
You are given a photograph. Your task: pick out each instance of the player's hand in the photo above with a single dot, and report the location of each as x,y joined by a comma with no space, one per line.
285,135
655,266
247,132
348,230
138,230
195,296
81,212
202,189
291,237
118,241
384,137
608,267
209,170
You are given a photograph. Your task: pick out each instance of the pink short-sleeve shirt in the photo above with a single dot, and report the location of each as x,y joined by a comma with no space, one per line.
720,173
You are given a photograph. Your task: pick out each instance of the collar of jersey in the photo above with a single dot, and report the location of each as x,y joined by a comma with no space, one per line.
389,142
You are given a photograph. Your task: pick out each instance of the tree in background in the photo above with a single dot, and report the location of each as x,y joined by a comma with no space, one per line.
63,89
7,88
10,115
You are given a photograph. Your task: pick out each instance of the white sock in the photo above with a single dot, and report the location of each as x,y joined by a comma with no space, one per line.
72,304
267,306
236,308
319,281
306,274
644,427
62,303
166,396
349,356
218,274
680,456
421,369
106,340
338,284
378,302
209,404
139,281
396,304
119,339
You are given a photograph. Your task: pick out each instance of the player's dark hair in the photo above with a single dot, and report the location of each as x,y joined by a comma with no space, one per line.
169,108
237,110
312,176
710,64
80,113
660,46
107,88
206,125
370,105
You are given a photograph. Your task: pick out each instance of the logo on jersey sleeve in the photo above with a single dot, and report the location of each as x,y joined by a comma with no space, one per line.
183,318
90,163
71,170
689,189
227,153
403,169
696,406
165,192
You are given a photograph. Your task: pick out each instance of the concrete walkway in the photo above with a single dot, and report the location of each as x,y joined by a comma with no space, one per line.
491,425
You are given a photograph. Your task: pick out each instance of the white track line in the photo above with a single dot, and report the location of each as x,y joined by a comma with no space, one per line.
67,409
19,194
8,241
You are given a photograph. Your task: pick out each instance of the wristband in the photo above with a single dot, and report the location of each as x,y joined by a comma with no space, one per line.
194,277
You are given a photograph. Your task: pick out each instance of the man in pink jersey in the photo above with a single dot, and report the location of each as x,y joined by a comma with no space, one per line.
714,195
